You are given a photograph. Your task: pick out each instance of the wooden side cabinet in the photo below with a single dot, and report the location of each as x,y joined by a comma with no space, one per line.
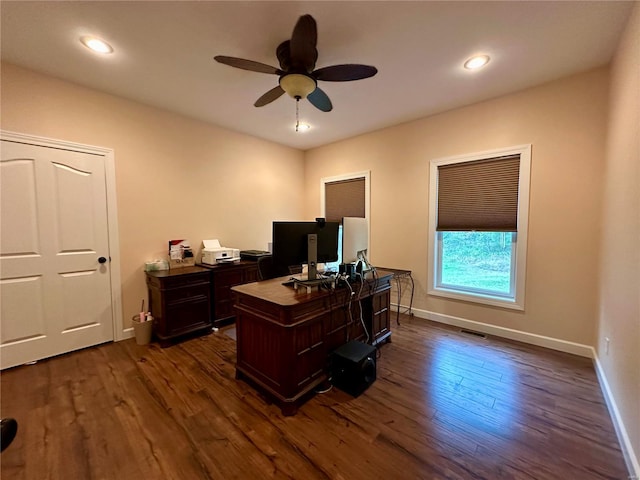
180,302
223,277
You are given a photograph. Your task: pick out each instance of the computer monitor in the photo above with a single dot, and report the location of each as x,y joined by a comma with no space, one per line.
355,240
297,243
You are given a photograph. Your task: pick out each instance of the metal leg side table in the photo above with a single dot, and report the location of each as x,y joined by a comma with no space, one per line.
399,276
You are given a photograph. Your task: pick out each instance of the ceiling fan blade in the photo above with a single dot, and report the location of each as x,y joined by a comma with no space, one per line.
344,73
283,52
320,100
248,65
303,44
269,97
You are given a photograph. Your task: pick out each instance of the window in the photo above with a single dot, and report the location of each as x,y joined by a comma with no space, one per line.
344,196
478,226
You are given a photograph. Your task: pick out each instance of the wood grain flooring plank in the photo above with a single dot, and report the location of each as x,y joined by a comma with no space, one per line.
446,405
253,431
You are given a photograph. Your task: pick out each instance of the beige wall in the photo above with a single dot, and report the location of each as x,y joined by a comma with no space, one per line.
565,121
619,307
175,177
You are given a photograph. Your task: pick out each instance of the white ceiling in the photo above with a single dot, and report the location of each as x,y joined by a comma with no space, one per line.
164,55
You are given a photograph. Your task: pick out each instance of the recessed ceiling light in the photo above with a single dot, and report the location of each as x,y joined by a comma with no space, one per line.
96,44
476,62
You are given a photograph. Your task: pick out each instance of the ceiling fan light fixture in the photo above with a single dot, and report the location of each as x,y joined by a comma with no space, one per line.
476,62
297,85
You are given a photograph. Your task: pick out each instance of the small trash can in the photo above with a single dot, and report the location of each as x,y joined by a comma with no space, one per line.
143,330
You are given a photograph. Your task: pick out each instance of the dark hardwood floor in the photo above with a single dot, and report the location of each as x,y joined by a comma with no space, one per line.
446,405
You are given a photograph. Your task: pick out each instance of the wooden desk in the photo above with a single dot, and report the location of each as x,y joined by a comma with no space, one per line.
285,337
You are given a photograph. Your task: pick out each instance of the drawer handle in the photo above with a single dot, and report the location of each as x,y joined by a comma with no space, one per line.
310,348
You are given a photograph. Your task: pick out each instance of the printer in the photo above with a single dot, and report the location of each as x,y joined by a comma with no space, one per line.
213,253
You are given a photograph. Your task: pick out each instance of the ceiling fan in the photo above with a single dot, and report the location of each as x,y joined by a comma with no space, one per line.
298,77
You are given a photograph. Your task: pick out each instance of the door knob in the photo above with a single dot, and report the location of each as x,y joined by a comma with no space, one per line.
102,260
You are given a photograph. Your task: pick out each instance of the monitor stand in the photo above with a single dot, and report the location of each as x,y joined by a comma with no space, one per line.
362,265
312,256
312,268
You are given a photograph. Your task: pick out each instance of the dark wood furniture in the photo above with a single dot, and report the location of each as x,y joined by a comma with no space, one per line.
285,337
267,269
180,302
223,277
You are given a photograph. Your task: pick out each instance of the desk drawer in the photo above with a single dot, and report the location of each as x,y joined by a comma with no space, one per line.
187,316
178,281
178,295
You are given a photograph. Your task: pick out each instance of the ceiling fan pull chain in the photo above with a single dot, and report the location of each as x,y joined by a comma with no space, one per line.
297,113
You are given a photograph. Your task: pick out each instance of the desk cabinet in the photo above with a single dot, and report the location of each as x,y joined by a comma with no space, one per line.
223,277
180,302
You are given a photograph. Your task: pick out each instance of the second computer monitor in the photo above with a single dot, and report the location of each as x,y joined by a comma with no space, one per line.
355,239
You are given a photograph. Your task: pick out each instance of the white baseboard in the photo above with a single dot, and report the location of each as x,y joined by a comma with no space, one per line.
525,337
127,333
630,457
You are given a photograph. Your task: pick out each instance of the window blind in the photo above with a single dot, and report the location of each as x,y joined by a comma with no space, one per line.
344,198
479,195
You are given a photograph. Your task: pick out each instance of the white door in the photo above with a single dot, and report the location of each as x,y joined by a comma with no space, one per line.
55,294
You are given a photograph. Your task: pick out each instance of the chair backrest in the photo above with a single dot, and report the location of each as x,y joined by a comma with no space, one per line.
267,269
295,269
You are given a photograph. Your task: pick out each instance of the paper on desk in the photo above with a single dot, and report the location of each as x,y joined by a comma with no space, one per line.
179,249
214,243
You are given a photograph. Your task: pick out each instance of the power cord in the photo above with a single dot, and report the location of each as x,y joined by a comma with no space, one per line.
345,279
360,302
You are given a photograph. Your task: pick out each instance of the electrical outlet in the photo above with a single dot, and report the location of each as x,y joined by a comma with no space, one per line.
606,345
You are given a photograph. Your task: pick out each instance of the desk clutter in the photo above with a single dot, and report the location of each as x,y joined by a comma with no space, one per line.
180,254
213,253
156,265
253,254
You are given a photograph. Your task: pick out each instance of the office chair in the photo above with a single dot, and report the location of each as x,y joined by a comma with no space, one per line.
266,268
8,430
295,269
